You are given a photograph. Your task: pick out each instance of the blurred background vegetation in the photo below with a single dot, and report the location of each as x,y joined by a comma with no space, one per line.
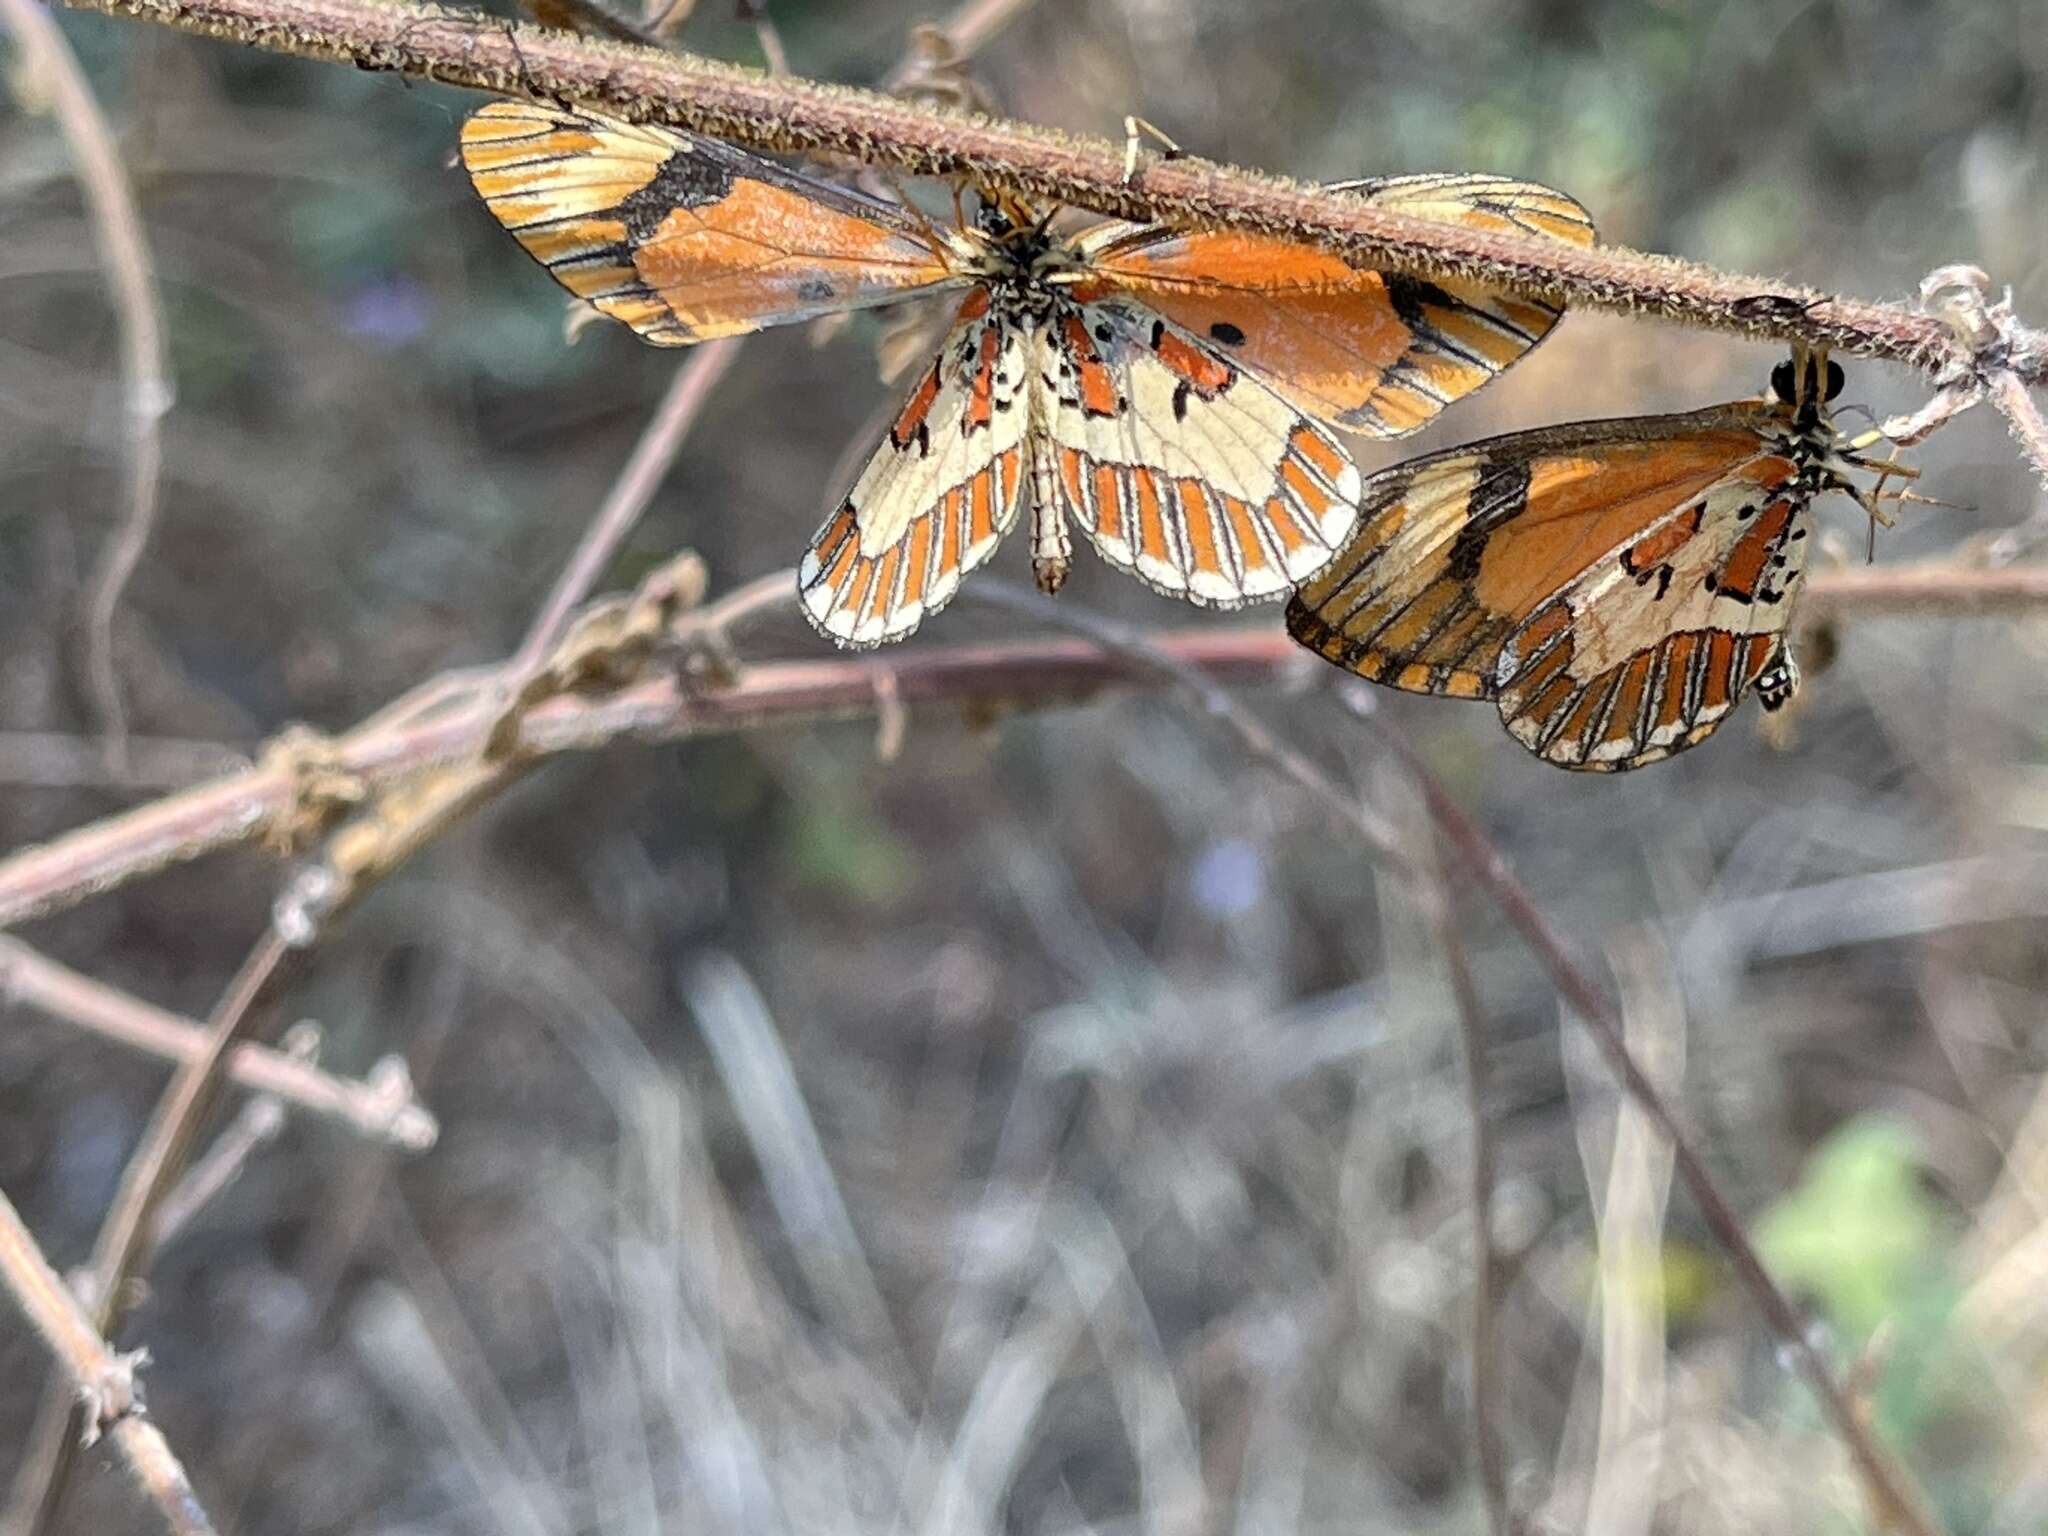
1054,1129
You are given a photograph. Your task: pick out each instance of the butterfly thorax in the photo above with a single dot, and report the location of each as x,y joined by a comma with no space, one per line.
1024,266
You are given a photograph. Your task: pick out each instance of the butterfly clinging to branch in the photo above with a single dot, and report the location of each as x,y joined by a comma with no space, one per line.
1171,394
1614,587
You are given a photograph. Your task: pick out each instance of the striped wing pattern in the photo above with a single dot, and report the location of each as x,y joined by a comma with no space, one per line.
1374,352
1168,391
1181,467
684,238
937,497
1567,696
1616,588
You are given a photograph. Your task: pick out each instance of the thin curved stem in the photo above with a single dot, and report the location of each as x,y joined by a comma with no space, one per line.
145,366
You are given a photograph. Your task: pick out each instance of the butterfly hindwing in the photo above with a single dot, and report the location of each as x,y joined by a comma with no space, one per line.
1374,352
1647,653
938,495
1180,466
685,238
1615,587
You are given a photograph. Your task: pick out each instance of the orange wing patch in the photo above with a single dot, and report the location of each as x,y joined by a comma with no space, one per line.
1616,587
685,239
1371,351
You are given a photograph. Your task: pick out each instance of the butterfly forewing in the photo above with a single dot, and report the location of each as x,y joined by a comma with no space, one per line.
937,496
1497,203
1181,466
1374,352
1615,587
684,238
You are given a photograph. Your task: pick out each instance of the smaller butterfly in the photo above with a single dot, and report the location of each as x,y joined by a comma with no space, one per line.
1614,587
1168,393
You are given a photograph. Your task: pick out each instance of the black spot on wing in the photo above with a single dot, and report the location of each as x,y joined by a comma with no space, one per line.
1467,551
686,180
1414,297
1502,491
814,290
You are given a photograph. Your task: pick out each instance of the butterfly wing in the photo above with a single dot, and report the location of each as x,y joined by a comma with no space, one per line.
684,238
937,496
1615,587
1180,466
1374,352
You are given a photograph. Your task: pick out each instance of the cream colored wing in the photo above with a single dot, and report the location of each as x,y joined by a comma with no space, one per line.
1181,467
937,496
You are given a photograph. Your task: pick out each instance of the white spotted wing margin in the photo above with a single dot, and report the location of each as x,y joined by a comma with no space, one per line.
937,496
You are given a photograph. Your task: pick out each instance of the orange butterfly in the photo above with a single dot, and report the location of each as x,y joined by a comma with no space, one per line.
1165,390
1615,587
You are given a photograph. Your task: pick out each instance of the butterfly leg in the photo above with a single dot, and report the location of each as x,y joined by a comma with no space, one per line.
1136,130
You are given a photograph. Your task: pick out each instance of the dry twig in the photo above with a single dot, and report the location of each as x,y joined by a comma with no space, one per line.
439,749
145,370
129,1232
645,469
239,808
100,1378
1898,1503
381,1109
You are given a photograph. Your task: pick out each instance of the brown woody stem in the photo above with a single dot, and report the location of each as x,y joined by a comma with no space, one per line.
786,114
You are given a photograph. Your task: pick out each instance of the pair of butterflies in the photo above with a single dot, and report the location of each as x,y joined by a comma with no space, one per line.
1615,587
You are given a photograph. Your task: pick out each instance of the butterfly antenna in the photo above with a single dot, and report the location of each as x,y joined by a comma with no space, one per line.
933,235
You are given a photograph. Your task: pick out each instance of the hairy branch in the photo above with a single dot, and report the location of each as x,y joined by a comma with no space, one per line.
793,115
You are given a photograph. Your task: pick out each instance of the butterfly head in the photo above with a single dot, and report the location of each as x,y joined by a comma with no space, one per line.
1803,387
1807,381
1010,223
